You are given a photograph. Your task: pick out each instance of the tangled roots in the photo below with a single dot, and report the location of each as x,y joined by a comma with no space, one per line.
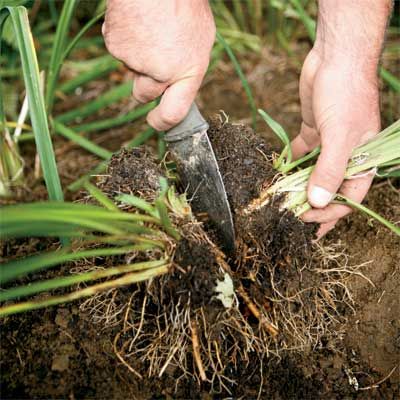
207,318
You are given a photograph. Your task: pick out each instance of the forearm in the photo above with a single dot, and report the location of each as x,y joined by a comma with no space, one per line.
352,31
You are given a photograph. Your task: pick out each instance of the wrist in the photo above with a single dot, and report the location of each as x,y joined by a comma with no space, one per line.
351,33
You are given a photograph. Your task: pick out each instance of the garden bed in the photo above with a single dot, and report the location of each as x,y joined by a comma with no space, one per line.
79,350
339,338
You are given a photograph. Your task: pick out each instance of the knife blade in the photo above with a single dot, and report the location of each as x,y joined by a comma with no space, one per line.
198,170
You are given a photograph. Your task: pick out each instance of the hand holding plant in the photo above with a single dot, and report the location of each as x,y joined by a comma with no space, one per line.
340,101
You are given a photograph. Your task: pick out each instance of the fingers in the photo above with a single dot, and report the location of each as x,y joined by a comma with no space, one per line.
325,228
328,214
306,141
355,189
329,170
146,89
174,104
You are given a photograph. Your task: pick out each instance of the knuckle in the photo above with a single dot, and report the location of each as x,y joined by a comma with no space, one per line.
171,118
109,43
140,97
114,47
144,93
332,174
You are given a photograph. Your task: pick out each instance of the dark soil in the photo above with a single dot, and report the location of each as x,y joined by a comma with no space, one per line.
244,160
61,353
134,171
200,275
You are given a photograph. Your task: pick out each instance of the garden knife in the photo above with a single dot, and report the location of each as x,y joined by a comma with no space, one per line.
198,170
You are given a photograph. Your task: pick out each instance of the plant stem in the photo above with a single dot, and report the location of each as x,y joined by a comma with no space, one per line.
369,212
87,292
45,285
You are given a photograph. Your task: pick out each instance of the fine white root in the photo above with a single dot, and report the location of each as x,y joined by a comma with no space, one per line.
176,339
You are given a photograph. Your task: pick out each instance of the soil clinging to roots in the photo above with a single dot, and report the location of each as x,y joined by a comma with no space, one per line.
133,171
209,317
245,161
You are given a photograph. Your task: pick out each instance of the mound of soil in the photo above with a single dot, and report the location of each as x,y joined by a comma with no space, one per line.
244,160
135,170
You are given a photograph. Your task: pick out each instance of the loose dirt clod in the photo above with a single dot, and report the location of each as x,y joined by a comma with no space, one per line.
134,170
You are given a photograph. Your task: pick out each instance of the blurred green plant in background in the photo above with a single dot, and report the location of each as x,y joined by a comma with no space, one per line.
61,30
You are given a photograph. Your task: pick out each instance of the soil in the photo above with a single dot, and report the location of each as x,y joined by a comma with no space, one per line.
373,330
62,352
133,170
200,277
244,160
80,362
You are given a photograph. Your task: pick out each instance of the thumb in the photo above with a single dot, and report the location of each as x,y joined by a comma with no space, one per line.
174,104
329,171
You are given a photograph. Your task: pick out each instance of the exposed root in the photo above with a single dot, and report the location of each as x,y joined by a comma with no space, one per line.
176,338
376,385
120,358
256,312
104,309
288,295
196,351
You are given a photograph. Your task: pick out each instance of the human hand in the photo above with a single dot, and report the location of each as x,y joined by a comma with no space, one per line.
167,44
339,103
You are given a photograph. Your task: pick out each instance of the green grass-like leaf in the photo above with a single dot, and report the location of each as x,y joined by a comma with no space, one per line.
126,279
281,134
104,66
46,285
111,96
309,23
57,53
116,121
36,102
44,218
15,269
139,203
390,79
80,34
101,198
345,200
82,141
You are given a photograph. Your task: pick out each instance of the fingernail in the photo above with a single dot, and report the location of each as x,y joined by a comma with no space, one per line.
320,197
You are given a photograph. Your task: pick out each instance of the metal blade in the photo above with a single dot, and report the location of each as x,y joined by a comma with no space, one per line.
199,172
